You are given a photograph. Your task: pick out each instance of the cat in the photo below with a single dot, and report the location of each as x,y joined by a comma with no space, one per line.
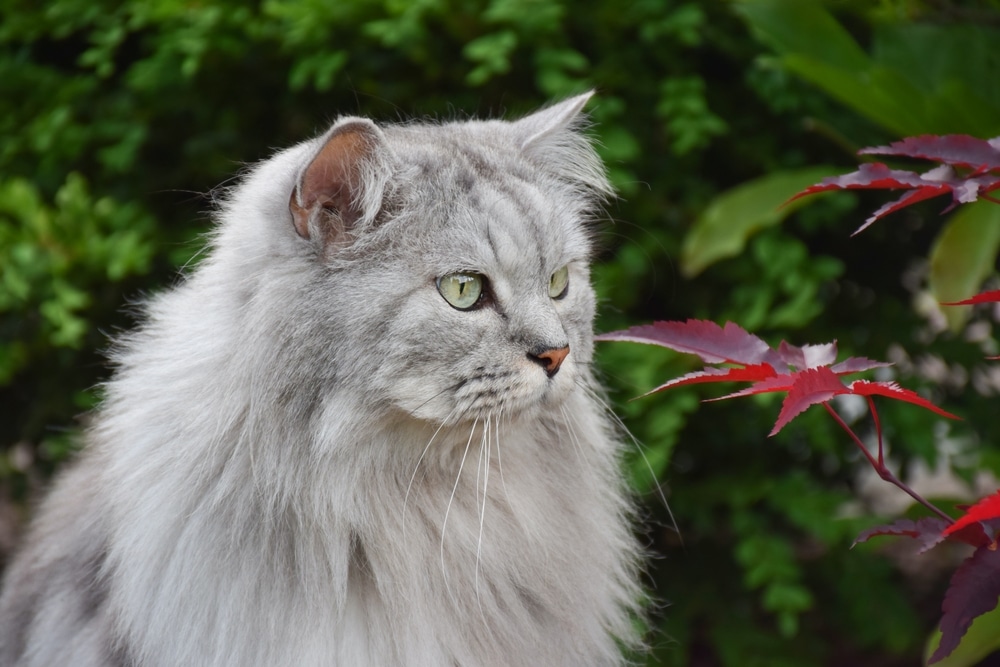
364,431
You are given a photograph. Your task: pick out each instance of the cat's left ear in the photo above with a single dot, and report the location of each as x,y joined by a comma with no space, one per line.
539,126
340,188
553,140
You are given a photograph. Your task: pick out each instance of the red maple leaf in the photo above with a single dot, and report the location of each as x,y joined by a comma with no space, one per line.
983,512
714,344
969,170
929,531
990,296
958,150
893,390
974,590
751,373
808,372
975,587
811,386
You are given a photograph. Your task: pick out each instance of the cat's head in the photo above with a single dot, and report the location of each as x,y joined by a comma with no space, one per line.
449,262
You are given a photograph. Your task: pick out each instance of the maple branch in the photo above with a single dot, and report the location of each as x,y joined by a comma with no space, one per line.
879,465
878,430
857,440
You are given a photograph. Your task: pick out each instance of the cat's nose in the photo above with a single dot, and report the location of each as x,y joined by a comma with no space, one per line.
549,358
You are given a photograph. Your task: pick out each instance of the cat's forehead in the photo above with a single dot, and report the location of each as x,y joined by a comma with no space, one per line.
522,226
459,156
483,203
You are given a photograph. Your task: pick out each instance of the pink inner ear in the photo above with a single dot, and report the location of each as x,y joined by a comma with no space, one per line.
333,182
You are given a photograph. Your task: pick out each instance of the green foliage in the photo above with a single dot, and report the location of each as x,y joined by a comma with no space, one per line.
979,642
780,289
686,114
964,255
114,115
896,84
723,228
900,87
55,257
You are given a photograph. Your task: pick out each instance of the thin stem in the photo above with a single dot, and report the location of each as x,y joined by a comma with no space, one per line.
878,430
880,467
857,440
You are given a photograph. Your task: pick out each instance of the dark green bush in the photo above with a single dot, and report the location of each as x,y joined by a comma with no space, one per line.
118,118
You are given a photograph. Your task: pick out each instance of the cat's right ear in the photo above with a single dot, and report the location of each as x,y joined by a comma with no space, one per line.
333,195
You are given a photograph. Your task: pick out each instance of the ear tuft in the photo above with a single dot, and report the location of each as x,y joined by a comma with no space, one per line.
553,138
329,199
541,124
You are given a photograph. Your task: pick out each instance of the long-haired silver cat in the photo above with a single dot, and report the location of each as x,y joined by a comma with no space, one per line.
365,431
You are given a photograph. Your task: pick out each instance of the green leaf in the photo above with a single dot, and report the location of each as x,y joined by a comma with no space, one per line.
981,639
899,87
963,256
560,71
530,16
965,55
689,121
723,229
880,94
683,25
318,70
492,53
806,28
787,601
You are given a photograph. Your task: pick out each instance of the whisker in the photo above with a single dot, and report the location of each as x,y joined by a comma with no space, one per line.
451,387
447,511
479,463
484,450
503,482
416,467
639,448
577,447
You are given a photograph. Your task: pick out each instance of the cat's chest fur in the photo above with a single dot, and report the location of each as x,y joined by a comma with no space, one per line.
465,564
364,432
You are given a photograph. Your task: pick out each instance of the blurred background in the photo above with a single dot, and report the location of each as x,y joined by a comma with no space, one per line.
117,118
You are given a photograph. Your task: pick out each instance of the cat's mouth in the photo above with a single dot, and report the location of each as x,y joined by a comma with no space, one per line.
485,391
508,392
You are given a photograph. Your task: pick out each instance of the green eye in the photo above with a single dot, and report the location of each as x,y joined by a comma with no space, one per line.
461,290
559,283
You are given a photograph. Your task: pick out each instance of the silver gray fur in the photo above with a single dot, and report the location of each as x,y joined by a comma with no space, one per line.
308,458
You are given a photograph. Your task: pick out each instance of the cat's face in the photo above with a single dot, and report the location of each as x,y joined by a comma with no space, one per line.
500,316
475,299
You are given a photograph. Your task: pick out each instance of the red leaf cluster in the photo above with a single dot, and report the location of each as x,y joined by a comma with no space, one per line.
810,376
969,170
808,373
975,586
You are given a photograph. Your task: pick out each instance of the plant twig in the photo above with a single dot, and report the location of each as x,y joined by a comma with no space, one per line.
878,431
879,464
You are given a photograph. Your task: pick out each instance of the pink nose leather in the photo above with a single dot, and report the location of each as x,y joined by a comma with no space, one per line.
552,359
